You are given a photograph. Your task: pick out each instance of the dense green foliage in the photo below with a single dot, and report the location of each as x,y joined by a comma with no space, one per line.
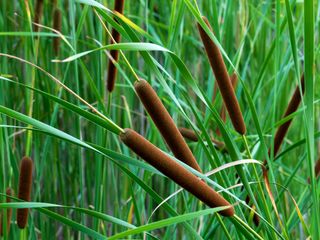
54,107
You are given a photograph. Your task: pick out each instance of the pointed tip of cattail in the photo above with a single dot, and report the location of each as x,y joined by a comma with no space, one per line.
25,184
57,23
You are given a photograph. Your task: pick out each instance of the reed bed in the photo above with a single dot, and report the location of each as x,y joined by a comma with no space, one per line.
72,104
165,123
24,193
154,156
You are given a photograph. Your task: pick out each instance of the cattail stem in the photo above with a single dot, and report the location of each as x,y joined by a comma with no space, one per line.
112,70
223,81
57,18
174,171
25,184
38,14
191,135
165,123
9,192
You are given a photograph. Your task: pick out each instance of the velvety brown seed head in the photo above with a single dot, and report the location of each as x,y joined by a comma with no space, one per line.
188,134
25,184
292,107
57,20
38,14
174,171
9,192
112,70
165,124
222,77
234,81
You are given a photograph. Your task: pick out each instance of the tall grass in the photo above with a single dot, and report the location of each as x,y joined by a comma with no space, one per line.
56,107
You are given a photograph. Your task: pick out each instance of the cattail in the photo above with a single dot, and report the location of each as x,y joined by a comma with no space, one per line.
223,81
37,14
292,107
165,123
192,136
256,218
112,70
174,171
188,134
25,183
234,81
57,17
9,192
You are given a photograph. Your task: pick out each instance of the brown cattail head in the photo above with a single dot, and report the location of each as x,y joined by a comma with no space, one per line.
174,171
112,70
223,81
188,134
9,192
165,123
25,184
292,107
38,11
191,135
234,81
57,20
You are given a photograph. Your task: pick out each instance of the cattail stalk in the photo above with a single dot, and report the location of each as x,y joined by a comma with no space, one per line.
192,136
165,123
174,171
57,22
25,184
112,70
223,81
38,14
9,192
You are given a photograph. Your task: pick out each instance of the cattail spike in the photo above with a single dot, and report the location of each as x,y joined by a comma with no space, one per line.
234,81
57,22
112,70
165,123
25,184
174,171
9,192
38,14
292,107
191,135
223,81
188,134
